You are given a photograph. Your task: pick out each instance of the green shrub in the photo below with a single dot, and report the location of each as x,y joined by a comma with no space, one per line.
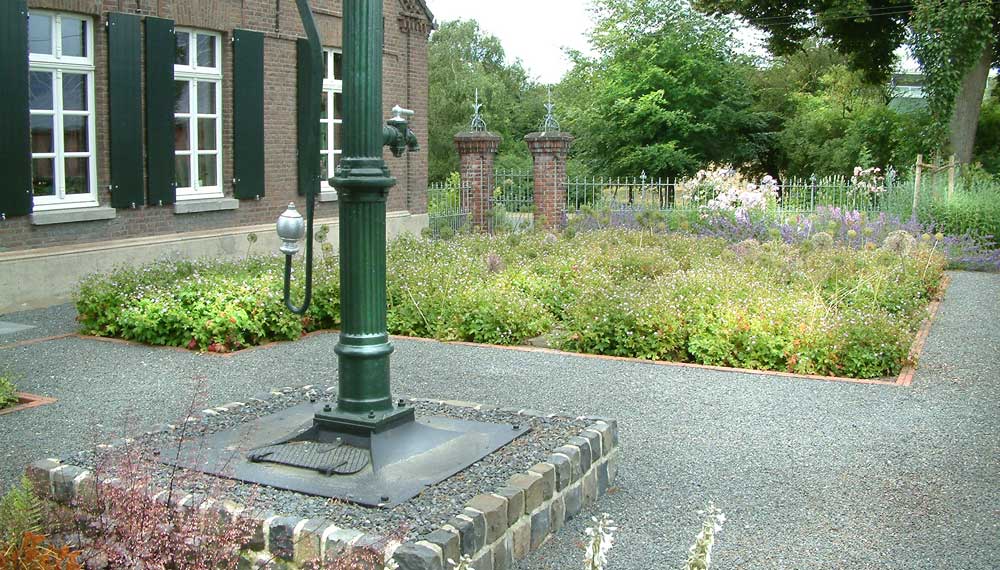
808,308
975,211
205,305
8,393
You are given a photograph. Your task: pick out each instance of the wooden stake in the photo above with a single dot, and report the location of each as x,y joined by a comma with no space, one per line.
951,177
916,185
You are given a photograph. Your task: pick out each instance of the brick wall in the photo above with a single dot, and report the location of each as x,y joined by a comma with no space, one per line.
404,83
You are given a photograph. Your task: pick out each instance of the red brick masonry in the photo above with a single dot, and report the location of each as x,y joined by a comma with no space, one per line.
549,151
476,151
404,83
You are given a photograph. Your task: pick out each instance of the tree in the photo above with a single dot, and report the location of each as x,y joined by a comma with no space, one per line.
462,59
665,93
955,42
778,90
953,39
847,123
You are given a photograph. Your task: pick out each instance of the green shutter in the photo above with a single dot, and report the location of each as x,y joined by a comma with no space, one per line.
160,111
308,160
248,114
125,105
15,130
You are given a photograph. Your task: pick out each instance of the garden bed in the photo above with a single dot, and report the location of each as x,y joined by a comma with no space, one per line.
813,307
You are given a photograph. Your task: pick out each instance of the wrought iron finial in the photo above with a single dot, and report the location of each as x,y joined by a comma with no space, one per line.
551,124
478,124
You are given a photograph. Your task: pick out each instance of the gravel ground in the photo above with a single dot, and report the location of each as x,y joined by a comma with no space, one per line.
60,319
421,515
811,474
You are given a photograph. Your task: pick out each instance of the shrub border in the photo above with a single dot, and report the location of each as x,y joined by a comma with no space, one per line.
904,378
494,529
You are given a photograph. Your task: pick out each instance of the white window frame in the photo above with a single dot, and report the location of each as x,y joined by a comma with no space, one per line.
58,64
193,74
333,87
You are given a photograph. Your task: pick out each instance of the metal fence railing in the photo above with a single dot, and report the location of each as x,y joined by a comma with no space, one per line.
448,211
514,190
510,205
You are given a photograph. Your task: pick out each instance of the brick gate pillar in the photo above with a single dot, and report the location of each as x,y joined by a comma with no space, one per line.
549,151
476,150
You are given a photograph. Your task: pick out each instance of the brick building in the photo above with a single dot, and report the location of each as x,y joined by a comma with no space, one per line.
133,130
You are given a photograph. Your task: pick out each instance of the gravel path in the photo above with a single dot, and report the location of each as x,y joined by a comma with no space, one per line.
57,320
811,474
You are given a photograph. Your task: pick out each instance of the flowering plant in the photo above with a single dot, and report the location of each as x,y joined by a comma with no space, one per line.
707,184
750,197
600,540
723,189
868,181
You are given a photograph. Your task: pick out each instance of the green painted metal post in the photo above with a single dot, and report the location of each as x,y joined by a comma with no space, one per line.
364,401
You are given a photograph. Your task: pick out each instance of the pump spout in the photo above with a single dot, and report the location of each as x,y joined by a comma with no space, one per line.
397,134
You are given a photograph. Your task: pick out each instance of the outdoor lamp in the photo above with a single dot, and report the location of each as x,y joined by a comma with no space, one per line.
291,230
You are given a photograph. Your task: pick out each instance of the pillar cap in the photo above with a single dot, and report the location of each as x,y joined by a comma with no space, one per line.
473,142
549,136
477,136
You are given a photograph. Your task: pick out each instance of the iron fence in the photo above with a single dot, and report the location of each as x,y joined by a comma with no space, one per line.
510,205
447,211
794,196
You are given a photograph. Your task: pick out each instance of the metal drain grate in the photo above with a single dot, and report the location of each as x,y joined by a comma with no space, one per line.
327,458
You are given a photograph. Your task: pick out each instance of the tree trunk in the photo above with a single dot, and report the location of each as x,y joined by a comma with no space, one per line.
968,104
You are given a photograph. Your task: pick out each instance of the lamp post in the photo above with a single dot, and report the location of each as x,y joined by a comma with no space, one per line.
364,401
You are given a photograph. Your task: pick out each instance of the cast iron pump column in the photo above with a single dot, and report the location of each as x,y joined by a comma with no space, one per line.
363,448
364,402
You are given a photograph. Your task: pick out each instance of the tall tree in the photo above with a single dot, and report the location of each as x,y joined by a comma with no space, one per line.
462,59
664,94
954,41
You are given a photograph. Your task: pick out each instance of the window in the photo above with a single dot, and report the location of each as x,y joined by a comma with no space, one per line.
61,87
331,115
198,114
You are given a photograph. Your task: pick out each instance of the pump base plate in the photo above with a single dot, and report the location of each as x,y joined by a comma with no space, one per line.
403,460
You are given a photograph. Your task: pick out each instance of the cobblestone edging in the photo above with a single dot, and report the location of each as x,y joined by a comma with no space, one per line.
493,529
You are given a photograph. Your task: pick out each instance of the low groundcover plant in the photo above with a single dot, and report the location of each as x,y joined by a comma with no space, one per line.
814,306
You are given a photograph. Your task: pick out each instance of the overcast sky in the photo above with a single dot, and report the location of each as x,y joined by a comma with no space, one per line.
533,30
536,31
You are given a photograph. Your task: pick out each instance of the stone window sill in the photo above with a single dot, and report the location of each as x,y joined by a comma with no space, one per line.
71,215
206,205
328,195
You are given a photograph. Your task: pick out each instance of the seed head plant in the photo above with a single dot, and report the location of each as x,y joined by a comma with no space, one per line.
600,539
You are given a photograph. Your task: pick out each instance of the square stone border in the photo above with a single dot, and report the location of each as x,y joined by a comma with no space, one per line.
27,401
493,529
